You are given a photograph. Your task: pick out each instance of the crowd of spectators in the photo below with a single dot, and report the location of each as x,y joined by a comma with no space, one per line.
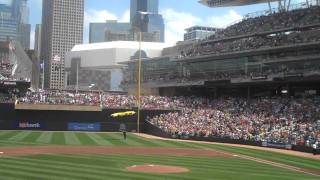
251,27
9,96
6,99
61,97
271,22
5,70
147,102
276,120
253,43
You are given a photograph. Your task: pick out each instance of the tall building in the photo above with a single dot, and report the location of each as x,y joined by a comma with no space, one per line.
151,24
14,22
199,33
37,52
62,28
24,31
37,41
24,28
8,24
108,31
150,6
145,17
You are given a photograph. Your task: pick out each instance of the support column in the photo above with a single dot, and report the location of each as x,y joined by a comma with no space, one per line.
270,9
289,4
279,5
216,93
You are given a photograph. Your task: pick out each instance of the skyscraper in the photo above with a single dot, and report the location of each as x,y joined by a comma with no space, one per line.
14,22
150,6
102,32
62,28
24,28
37,41
8,24
145,17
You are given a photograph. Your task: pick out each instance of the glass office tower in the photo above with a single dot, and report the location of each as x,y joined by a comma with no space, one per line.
103,32
8,24
150,6
144,16
14,22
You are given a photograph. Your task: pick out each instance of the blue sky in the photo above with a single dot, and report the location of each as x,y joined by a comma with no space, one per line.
178,14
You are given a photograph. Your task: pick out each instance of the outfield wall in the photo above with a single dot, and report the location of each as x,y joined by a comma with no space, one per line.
56,107
61,120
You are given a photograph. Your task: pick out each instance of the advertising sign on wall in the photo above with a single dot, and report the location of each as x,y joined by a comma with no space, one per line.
28,125
276,145
84,126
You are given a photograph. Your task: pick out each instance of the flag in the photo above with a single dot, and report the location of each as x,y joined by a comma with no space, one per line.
11,47
41,66
57,58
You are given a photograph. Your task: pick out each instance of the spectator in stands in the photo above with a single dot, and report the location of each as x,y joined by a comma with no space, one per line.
245,34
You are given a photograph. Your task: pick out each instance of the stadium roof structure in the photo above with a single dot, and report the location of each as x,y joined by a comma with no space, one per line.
120,44
201,28
228,3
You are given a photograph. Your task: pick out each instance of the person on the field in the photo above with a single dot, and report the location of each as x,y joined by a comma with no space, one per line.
123,130
314,149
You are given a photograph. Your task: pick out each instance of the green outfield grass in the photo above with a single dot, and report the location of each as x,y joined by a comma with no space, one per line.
113,166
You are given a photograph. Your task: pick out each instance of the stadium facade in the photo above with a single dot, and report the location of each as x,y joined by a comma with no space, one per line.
195,33
280,57
226,3
16,68
98,66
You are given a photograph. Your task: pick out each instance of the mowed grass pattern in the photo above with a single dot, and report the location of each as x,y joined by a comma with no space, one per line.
113,166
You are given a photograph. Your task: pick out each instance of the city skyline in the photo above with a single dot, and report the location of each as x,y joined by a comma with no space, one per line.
177,16
144,18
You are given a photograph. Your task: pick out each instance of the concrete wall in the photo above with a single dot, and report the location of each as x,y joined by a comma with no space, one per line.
58,120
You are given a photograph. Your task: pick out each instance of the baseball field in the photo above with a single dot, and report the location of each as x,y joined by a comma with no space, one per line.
83,155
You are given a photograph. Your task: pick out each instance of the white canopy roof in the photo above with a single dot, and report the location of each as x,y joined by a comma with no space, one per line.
120,44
